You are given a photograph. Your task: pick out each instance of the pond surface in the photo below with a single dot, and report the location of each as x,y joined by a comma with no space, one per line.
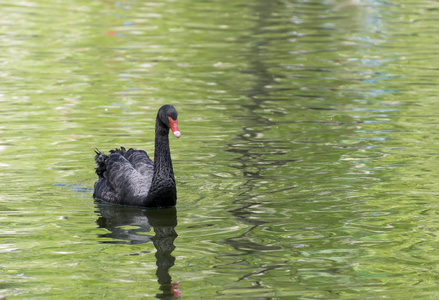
307,166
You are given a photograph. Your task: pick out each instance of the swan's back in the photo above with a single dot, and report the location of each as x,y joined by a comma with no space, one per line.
124,176
140,161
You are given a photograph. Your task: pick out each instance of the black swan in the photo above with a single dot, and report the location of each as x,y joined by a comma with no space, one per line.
131,178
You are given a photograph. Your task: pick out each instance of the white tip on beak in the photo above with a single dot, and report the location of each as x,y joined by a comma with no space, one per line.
177,133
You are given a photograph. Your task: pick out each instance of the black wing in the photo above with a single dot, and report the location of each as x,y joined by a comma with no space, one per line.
124,176
141,162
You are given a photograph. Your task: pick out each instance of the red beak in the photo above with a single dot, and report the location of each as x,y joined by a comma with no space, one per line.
174,127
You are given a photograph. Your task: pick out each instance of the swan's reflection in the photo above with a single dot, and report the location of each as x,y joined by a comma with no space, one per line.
116,219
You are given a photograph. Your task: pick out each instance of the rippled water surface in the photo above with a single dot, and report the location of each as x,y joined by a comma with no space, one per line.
307,166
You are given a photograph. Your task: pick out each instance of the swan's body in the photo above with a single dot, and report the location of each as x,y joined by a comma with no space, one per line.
131,178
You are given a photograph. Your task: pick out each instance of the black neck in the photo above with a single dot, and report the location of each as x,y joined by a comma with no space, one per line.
162,190
162,155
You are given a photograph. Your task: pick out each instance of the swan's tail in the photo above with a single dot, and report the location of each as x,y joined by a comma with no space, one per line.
100,160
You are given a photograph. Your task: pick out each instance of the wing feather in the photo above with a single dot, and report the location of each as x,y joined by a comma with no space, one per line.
124,176
141,162
121,182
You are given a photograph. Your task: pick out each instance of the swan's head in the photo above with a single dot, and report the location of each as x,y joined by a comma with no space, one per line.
169,116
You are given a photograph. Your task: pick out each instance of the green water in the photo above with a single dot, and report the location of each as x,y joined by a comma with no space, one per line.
307,166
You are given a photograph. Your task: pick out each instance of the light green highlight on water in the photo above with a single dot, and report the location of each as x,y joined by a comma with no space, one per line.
306,167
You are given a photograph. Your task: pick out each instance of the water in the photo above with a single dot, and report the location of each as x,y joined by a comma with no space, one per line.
307,163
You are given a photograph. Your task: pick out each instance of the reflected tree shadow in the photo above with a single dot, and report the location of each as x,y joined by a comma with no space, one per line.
133,225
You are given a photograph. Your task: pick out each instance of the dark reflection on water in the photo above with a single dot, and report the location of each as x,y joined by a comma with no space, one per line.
249,143
116,218
252,145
